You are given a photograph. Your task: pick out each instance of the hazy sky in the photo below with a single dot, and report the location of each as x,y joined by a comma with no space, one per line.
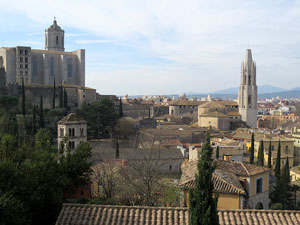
165,46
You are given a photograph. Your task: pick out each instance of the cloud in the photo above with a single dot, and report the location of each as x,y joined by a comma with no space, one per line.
210,35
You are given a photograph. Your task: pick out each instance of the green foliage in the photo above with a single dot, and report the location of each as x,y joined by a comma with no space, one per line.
61,97
8,102
277,164
23,98
41,121
276,206
100,116
203,206
65,99
260,158
217,152
252,149
270,156
34,179
33,132
117,150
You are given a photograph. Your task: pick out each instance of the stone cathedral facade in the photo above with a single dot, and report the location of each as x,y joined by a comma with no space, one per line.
37,66
247,96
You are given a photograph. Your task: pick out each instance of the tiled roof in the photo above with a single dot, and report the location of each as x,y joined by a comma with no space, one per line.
212,104
233,113
71,117
185,102
215,114
76,214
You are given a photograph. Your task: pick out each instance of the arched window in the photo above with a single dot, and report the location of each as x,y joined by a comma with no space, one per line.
34,66
69,67
52,66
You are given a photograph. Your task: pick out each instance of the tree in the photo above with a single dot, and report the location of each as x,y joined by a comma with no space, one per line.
277,165
41,121
117,149
252,149
260,158
203,206
23,98
270,156
61,97
65,99
54,94
33,121
120,109
217,152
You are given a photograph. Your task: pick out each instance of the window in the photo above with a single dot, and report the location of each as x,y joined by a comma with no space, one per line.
73,132
69,67
170,167
61,131
70,132
259,183
81,132
56,40
249,101
21,59
21,66
272,147
34,66
26,66
286,149
21,52
26,52
26,73
52,66
26,60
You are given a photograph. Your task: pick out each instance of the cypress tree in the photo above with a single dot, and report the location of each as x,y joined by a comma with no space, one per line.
23,98
61,97
252,149
120,109
217,152
34,121
203,206
270,155
41,122
54,88
277,165
260,158
117,150
65,99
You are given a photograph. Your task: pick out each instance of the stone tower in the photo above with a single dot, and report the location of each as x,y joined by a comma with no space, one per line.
248,91
54,37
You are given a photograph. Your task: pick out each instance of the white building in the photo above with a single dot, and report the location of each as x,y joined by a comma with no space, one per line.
72,129
37,66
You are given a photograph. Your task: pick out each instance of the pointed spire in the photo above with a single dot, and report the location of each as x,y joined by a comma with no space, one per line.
248,58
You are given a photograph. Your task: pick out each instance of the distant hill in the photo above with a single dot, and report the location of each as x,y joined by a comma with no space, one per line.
261,90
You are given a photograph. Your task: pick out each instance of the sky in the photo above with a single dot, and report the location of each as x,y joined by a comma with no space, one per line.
157,47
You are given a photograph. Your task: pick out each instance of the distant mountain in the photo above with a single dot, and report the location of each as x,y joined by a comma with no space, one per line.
262,89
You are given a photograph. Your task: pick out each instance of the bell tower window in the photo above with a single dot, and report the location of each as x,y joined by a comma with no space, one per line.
56,40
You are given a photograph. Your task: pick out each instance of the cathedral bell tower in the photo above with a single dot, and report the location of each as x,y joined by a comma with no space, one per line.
54,37
248,91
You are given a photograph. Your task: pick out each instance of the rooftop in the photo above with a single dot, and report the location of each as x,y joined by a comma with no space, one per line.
72,117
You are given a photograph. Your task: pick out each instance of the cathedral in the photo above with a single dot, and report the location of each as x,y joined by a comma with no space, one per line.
38,66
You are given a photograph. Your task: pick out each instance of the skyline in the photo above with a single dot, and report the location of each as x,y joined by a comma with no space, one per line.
166,47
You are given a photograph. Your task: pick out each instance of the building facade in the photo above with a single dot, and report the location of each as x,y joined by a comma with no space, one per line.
43,66
247,95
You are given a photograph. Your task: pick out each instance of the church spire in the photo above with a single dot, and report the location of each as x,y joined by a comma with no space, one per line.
54,37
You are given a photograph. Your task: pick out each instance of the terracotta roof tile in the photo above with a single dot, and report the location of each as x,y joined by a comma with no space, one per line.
76,214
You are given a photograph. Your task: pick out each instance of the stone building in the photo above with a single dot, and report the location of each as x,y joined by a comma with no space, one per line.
247,95
73,129
37,66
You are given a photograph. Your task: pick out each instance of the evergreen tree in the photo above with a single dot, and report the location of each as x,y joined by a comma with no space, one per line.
121,109
61,97
34,120
23,98
117,150
217,152
65,99
41,122
252,149
277,165
54,94
203,206
260,158
270,155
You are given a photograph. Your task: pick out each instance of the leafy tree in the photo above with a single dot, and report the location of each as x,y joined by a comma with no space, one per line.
8,102
203,206
23,98
121,108
270,155
252,149
41,121
217,152
277,165
54,94
260,158
100,116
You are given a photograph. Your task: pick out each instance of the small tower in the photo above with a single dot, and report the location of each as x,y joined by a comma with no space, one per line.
248,91
54,37
2,75
72,129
